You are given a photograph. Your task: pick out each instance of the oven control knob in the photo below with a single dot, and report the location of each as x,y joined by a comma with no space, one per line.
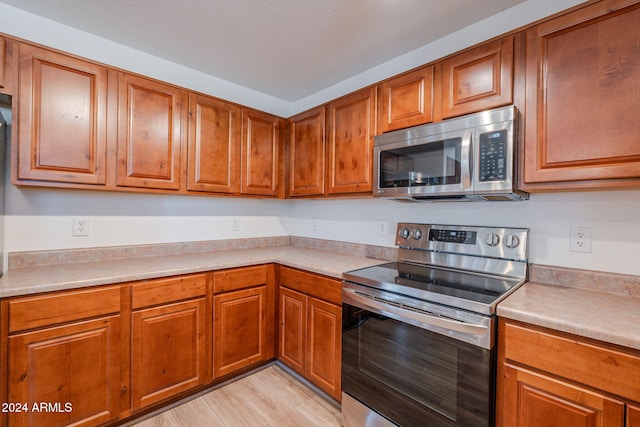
404,233
492,239
416,233
511,241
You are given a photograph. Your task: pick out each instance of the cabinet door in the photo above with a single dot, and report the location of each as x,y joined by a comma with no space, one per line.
307,153
260,153
3,60
243,330
213,145
168,351
582,86
534,400
149,132
324,346
62,120
72,370
479,79
406,100
633,416
293,330
351,130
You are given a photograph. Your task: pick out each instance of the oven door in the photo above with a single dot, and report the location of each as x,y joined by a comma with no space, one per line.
410,375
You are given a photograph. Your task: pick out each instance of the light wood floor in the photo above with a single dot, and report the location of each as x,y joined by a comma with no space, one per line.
268,398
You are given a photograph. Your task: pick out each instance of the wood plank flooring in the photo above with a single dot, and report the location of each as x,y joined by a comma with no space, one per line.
268,398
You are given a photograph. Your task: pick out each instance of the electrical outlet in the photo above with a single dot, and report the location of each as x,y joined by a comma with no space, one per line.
381,228
80,226
580,238
235,224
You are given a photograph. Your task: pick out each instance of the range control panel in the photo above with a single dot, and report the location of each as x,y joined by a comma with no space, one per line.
495,242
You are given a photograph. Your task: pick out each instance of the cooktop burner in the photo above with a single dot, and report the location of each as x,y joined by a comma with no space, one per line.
471,268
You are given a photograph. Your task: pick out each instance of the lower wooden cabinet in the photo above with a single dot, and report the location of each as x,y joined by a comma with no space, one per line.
310,337
169,333
549,379
63,369
243,326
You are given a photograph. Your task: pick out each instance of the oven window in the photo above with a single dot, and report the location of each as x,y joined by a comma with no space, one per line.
434,163
413,376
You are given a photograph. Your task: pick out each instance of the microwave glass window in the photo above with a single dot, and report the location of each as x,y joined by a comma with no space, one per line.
435,163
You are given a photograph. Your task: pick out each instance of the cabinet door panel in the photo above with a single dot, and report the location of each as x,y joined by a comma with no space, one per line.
242,335
540,401
633,416
3,61
324,334
214,145
75,368
307,153
479,79
150,117
406,100
351,131
168,353
582,89
62,118
260,156
293,329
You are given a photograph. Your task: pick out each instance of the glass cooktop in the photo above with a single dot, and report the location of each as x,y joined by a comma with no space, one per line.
466,290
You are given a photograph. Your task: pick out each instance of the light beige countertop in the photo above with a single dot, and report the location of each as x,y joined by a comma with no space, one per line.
31,280
604,316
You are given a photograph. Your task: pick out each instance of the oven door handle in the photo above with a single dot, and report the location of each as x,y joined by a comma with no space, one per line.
400,312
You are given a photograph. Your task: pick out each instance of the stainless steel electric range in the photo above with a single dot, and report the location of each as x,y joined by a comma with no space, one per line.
418,338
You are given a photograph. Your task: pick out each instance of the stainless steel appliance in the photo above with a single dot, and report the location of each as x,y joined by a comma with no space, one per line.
471,157
418,335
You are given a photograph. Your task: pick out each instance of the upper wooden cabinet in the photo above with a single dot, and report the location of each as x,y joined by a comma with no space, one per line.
633,416
3,64
406,100
215,130
260,166
62,120
351,125
582,109
149,133
479,79
307,153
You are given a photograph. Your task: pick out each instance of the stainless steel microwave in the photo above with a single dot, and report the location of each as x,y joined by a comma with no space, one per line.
471,157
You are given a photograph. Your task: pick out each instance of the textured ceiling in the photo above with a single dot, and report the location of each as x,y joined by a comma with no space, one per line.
289,49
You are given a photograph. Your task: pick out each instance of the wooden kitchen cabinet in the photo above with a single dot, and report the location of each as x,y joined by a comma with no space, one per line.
547,378
215,131
243,325
307,153
582,86
351,128
633,416
310,338
63,352
406,100
260,166
3,63
169,338
150,118
62,118
478,79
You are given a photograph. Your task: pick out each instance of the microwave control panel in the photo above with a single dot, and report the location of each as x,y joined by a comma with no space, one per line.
493,156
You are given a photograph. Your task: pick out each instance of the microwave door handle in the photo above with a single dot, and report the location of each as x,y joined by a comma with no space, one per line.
465,160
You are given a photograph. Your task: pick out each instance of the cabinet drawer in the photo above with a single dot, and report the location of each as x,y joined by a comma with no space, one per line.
312,284
46,310
239,278
605,369
162,291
